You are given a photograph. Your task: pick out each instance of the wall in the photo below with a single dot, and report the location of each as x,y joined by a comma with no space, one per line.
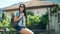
9,13
40,11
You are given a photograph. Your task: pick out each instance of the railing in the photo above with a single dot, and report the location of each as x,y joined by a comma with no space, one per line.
4,31
9,32
43,31
35,31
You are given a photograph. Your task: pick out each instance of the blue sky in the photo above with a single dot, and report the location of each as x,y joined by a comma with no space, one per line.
6,3
57,1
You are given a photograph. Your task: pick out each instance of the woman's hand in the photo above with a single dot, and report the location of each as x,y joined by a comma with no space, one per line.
18,18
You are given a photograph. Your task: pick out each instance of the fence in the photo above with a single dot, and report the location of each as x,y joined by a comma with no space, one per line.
35,31
9,32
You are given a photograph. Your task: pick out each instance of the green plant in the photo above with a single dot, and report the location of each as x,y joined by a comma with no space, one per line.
29,13
44,19
5,22
54,10
32,21
59,7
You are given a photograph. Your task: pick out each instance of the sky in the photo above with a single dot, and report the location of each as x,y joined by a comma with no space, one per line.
57,1
6,3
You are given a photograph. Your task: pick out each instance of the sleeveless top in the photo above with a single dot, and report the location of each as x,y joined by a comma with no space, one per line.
21,22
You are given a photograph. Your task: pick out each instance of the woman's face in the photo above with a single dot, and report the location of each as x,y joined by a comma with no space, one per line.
21,8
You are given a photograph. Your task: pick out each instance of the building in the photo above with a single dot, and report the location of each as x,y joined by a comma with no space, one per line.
33,5
38,7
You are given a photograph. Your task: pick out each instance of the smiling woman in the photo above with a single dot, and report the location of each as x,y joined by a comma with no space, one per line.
6,3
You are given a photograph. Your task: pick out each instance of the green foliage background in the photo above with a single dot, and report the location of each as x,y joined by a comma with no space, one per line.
5,22
34,20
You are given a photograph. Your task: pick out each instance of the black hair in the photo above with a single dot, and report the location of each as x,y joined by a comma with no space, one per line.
24,11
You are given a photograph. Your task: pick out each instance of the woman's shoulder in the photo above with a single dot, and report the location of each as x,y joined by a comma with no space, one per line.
16,13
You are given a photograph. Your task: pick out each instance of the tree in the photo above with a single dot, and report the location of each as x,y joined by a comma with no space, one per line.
59,7
32,21
29,13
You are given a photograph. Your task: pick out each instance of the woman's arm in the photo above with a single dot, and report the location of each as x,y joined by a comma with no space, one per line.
16,18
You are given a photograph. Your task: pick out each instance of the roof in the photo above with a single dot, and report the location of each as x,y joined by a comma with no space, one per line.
29,4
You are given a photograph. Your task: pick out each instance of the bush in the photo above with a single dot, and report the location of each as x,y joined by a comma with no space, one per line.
29,13
36,22
59,7
44,19
43,23
32,21
5,22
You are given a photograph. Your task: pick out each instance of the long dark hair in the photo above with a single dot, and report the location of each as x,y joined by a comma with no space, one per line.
24,11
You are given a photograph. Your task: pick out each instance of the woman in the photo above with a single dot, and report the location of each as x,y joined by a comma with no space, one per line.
19,18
